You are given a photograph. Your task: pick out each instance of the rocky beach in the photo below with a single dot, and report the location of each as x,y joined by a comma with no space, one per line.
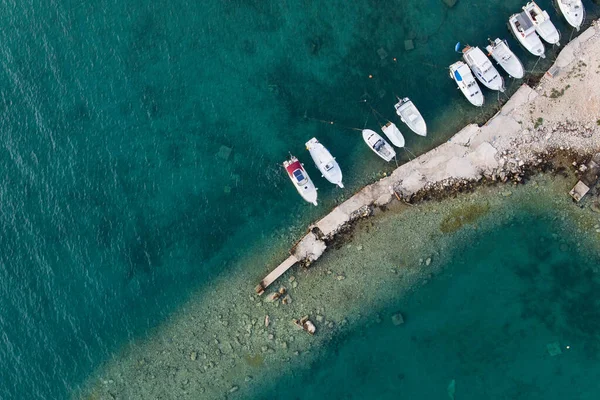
229,342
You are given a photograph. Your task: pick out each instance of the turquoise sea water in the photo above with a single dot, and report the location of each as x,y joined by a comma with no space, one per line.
486,322
114,203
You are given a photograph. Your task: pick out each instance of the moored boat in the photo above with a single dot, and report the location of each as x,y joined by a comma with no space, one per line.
483,69
393,133
573,11
325,162
460,72
378,145
301,180
504,56
524,31
542,23
410,115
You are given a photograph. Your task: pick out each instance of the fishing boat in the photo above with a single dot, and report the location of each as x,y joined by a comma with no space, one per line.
504,56
541,21
325,162
300,179
573,12
483,69
524,31
393,133
378,145
410,115
460,72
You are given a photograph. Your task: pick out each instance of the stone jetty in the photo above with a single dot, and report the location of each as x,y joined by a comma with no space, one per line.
561,113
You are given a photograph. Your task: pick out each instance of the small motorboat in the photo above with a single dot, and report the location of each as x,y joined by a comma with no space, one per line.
393,133
301,180
325,162
524,31
541,21
573,12
483,69
460,72
410,115
378,145
504,56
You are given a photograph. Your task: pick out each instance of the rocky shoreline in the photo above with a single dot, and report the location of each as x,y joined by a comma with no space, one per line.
558,116
229,343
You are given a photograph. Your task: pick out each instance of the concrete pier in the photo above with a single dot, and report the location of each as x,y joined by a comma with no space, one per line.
560,113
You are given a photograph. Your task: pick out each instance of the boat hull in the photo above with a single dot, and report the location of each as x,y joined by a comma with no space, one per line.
502,54
542,23
483,69
573,11
528,38
410,115
325,162
461,74
391,131
378,145
301,180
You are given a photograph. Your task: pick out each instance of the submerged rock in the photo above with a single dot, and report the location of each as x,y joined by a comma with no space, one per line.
450,3
397,319
554,349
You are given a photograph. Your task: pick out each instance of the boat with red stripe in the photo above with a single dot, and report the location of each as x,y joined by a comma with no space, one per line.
300,179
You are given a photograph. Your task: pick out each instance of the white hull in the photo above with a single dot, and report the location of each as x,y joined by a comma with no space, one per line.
460,72
541,21
573,11
301,180
325,162
393,133
483,69
410,115
502,54
378,145
524,31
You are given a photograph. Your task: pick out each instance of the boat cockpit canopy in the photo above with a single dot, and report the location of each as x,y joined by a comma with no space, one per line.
300,178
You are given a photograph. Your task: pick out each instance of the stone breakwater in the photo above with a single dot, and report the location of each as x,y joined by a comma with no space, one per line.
561,113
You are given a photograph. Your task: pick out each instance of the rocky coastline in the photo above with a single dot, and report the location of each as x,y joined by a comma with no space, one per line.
557,119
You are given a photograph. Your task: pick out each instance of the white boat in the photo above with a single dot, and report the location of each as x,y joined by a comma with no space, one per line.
541,21
378,145
301,180
524,31
573,11
460,72
410,115
325,162
504,56
483,69
393,133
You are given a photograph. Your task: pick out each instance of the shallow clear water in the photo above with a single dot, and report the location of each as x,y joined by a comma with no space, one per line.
115,205
485,322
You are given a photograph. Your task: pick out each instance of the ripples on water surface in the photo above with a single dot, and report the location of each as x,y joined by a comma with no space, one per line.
114,203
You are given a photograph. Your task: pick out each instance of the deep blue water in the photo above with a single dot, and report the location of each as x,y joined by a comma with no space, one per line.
114,203
485,323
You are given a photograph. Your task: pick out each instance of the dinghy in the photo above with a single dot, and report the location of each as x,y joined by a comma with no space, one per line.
524,31
483,69
460,72
500,52
410,115
541,21
393,133
325,162
378,145
300,179
573,12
